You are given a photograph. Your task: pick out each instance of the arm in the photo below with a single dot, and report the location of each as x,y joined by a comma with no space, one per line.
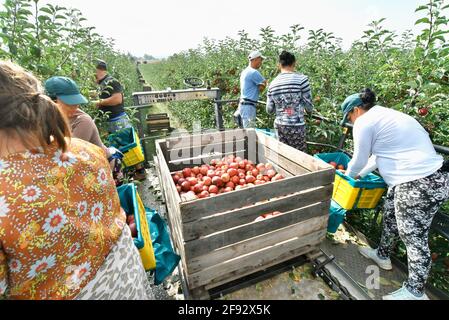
115,99
260,81
263,86
370,167
363,141
270,103
307,96
115,91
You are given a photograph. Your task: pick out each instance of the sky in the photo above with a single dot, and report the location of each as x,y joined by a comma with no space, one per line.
164,27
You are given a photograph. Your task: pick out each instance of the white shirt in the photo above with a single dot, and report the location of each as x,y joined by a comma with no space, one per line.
394,143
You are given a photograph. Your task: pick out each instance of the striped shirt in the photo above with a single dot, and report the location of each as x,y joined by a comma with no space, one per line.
289,95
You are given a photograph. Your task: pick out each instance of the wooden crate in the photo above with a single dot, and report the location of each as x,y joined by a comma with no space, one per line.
218,238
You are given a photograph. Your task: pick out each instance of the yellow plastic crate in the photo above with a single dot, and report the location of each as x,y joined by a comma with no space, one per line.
353,194
147,252
132,203
135,155
349,197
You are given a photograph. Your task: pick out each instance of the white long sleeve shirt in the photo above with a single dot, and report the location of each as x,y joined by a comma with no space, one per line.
394,143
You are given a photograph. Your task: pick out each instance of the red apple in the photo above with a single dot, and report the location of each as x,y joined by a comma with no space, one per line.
232,172
213,189
192,181
204,170
271,173
203,195
176,178
226,178
198,188
211,173
230,185
261,167
250,179
187,173
235,180
217,181
185,186
207,181
234,166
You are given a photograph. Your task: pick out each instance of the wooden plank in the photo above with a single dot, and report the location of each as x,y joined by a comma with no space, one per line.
293,154
219,240
195,210
251,270
177,155
286,164
257,260
230,219
190,141
219,256
173,199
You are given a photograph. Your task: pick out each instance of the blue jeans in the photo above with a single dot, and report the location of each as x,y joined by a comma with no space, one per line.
248,114
119,123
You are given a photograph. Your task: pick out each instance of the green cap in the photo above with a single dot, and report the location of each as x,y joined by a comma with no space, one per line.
350,103
66,90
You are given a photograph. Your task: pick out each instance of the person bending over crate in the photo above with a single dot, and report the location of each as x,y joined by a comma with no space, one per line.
289,95
66,94
63,234
401,149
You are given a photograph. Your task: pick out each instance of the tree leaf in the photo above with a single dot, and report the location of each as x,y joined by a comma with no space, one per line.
423,20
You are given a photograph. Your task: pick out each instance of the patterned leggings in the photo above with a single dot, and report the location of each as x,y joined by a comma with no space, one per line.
294,136
409,212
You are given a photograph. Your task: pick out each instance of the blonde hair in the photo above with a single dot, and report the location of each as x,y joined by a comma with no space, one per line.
26,111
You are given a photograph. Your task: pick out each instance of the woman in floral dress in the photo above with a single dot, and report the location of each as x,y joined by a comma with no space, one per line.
63,234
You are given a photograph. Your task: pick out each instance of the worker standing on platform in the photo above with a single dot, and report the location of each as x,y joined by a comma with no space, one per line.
252,83
418,181
289,96
112,103
111,99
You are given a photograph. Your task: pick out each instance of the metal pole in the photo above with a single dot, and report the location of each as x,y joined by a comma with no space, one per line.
219,113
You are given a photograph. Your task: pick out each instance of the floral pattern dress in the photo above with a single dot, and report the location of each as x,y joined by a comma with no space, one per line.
59,219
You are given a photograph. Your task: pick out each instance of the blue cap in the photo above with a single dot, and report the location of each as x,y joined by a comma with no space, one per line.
66,90
350,103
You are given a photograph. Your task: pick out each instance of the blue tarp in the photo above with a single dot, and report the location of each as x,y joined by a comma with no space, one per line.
166,258
337,216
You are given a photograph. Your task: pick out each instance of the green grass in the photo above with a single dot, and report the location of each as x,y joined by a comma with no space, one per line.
149,72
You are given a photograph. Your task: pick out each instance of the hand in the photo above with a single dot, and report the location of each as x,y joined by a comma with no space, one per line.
98,104
115,153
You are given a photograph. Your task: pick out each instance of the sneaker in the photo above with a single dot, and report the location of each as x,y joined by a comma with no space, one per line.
404,294
370,253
